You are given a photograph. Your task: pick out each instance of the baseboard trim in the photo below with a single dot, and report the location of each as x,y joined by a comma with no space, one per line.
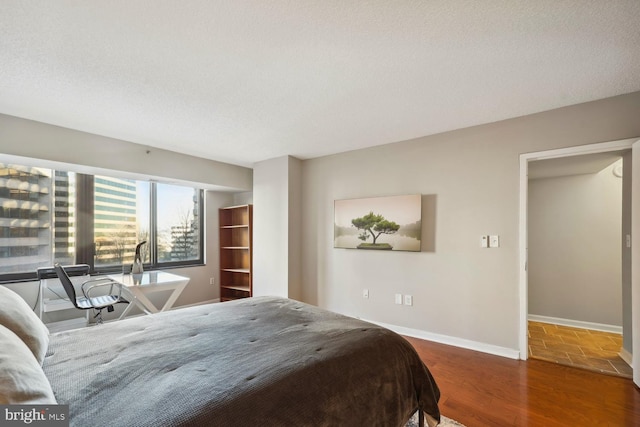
449,340
626,356
576,323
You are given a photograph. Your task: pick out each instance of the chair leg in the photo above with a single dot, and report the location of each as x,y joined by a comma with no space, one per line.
98,317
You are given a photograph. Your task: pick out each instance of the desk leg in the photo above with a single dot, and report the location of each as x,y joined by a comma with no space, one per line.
138,300
128,309
144,303
173,297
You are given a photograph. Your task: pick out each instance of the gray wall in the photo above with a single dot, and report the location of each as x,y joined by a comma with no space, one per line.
470,180
575,226
472,176
85,152
53,146
295,228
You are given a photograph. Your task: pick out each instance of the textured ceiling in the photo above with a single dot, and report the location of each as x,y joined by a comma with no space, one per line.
247,80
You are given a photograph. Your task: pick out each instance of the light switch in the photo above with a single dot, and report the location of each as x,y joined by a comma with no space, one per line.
399,299
494,241
484,241
365,293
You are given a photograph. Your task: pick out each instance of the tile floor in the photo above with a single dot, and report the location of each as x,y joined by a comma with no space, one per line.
581,348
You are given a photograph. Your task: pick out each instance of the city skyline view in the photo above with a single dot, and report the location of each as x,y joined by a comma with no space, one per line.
38,219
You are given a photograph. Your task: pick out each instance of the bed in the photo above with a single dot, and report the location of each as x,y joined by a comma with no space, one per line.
253,362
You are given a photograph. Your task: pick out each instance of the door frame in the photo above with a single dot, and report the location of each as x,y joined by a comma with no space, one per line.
603,147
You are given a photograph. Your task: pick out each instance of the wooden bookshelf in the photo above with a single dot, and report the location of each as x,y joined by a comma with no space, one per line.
236,240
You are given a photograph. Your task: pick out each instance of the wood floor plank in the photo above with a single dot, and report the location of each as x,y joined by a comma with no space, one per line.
479,389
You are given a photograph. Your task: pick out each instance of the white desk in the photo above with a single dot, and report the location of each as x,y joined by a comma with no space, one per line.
139,285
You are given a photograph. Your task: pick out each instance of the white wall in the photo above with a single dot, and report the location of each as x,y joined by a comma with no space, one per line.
627,307
270,225
471,177
244,198
575,261
276,227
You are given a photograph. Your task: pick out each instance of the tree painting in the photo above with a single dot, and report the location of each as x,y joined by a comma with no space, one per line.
390,223
374,226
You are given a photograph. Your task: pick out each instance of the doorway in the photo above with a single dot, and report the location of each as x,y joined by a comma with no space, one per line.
615,147
574,271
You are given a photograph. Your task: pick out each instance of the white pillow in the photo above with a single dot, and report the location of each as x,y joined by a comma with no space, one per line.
16,315
22,380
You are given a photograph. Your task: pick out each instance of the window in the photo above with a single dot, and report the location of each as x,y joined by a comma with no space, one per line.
178,223
49,216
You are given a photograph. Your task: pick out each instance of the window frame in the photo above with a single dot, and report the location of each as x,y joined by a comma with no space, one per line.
84,232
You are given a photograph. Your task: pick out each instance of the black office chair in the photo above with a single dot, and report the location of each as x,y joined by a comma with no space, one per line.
88,301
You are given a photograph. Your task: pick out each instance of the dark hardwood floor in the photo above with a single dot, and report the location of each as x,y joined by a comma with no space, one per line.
479,389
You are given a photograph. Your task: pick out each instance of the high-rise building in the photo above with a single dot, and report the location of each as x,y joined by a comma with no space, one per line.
64,217
25,218
115,220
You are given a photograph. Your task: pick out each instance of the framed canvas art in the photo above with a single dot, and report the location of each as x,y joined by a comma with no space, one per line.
392,223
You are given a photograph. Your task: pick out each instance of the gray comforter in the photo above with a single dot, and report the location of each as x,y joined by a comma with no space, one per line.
253,362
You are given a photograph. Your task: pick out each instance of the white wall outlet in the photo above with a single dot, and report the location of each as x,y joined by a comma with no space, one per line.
399,299
408,300
365,293
212,280
484,241
494,241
